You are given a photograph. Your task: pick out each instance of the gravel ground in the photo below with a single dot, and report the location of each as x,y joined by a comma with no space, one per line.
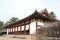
8,38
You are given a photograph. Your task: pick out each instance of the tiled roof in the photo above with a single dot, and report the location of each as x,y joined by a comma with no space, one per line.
33,15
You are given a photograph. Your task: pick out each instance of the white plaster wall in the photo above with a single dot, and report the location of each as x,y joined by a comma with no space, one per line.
33,28
40,23
16,29
19,28
22,28
27,27
7,31
13,29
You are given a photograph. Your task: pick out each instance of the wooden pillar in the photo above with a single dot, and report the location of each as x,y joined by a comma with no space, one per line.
17,29
12,30
20,29
29,26
24,28
36,27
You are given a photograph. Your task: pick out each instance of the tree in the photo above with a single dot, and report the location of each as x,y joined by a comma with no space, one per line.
52,15
12,20
1,24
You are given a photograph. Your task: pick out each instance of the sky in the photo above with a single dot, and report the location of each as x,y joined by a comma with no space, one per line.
24,8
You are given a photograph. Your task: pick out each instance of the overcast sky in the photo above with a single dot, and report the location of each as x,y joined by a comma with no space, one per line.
23,8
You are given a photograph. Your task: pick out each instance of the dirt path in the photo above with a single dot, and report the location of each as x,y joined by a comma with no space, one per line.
8,38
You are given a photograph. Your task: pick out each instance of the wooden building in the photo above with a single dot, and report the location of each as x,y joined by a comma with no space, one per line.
30,24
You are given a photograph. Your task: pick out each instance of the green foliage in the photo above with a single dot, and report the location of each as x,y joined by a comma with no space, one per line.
1,24
12,20
52,15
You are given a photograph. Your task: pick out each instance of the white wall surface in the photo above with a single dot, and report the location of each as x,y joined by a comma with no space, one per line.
16,29
13,29
40,23
22,28
33,28
27,27
7,31
19,28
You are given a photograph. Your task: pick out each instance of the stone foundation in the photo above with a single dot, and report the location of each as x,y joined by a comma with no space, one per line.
27,37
